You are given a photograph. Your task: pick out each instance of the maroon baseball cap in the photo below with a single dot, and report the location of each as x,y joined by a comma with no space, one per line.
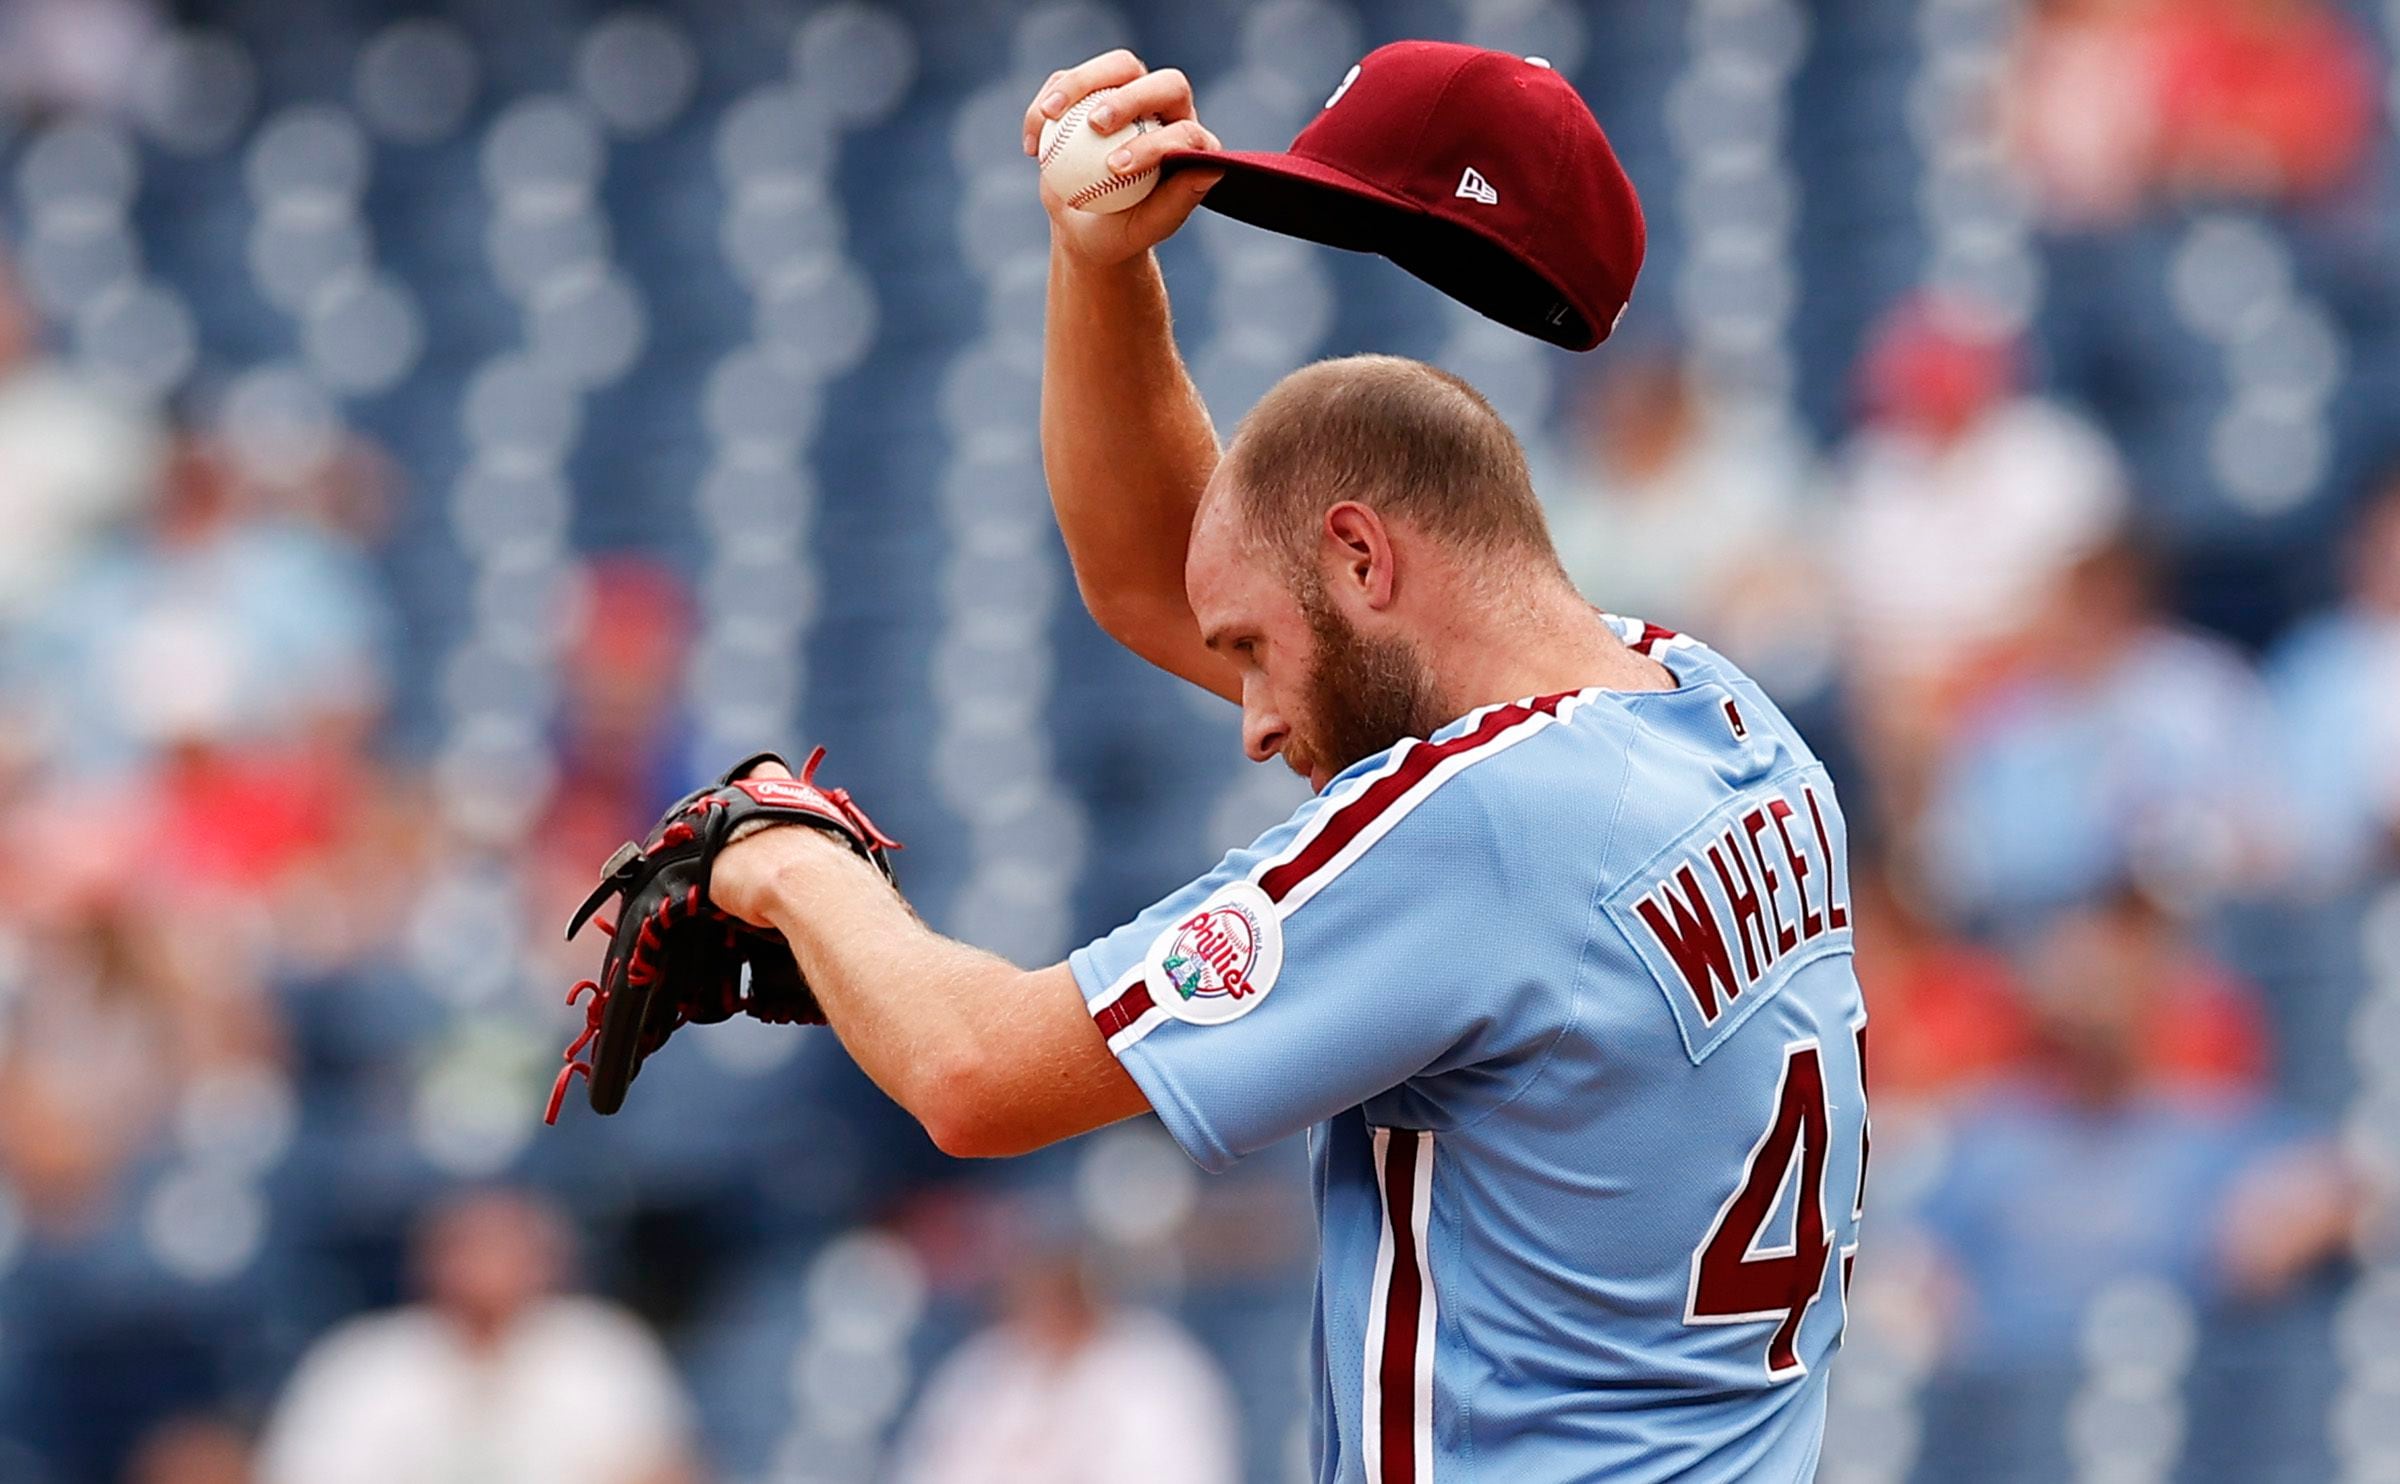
1481,173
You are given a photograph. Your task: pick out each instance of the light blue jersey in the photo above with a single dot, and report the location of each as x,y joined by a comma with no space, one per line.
1563,997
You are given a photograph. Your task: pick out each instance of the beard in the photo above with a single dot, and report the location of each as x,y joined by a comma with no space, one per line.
1366,694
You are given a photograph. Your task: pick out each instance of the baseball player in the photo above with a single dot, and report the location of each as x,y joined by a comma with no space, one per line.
1553,971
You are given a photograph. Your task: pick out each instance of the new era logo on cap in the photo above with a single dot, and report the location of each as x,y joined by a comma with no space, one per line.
1474,187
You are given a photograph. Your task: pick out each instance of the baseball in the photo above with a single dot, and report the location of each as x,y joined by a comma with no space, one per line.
1074,158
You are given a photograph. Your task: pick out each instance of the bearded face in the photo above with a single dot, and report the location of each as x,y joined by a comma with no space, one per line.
1314,689
1363,695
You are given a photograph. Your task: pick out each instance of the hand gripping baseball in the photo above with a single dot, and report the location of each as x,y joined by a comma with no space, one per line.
674,957
1119,91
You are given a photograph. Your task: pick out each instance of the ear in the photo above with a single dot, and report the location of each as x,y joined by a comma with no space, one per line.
1361,545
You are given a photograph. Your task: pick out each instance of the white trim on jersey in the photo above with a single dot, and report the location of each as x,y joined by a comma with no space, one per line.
1143,1024
1370,1375
1421,1215
1644,637
1399,1267
1384,816
1389,816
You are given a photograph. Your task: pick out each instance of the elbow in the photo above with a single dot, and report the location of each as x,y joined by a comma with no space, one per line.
1112,608
1125,613
960,1100
969,1139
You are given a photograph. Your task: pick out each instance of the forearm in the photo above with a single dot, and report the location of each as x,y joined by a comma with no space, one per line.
1127,447
990,1058
885,981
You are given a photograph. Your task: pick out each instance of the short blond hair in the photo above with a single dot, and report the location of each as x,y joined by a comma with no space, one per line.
1409,440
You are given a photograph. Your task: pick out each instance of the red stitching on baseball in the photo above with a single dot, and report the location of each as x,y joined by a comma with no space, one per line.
1100,188
1068,123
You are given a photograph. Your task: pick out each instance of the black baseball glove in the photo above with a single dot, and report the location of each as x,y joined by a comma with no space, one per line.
673,957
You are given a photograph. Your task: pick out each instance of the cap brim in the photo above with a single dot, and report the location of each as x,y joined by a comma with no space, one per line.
1301,197
1298,197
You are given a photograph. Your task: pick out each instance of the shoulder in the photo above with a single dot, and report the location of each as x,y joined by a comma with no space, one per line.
362,1351
1151,1343
1144,1343
2318,647
612,1360
965,1380
1467,793
589,1326
2179,651
2001,1122
2035,425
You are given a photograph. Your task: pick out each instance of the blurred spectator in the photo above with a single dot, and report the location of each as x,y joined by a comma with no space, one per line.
1067,1389
193,1450
2337,684
1960,503
2204,1033
623,733
2114,103
2081,108
2093,1166
221,623
113,1012
2124,747
1676,516
496,1377
72,460
2082,1198
622,729
1951,1020
73,56
2267,98
1946,1018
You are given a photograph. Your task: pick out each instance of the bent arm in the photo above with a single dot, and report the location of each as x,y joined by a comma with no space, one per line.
1127,447
992,1059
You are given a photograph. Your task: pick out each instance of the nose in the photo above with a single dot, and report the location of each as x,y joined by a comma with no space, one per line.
1264,730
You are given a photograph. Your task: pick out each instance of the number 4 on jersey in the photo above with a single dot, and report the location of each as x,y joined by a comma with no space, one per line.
1736,1278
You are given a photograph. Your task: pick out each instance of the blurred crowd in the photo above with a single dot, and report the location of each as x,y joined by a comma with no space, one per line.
2122,104
212,860
275,1025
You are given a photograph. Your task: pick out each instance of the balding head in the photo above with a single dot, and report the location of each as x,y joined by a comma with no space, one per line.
1346,476
1415,443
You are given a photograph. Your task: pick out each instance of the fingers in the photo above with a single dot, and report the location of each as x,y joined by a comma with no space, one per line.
770,769
1166,93
1163,212
1144,151
1060,90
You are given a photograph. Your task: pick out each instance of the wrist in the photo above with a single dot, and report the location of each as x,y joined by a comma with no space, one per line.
1097,265
767,870
808,864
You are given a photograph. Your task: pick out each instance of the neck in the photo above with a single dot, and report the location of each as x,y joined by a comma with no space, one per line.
480,1332
1538,642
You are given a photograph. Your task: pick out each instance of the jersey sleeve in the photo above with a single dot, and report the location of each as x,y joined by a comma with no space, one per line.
1381,933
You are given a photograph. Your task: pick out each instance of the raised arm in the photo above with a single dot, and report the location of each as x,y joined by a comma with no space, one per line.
1126,441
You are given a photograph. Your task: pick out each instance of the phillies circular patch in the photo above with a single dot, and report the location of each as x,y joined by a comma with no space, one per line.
1218,960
